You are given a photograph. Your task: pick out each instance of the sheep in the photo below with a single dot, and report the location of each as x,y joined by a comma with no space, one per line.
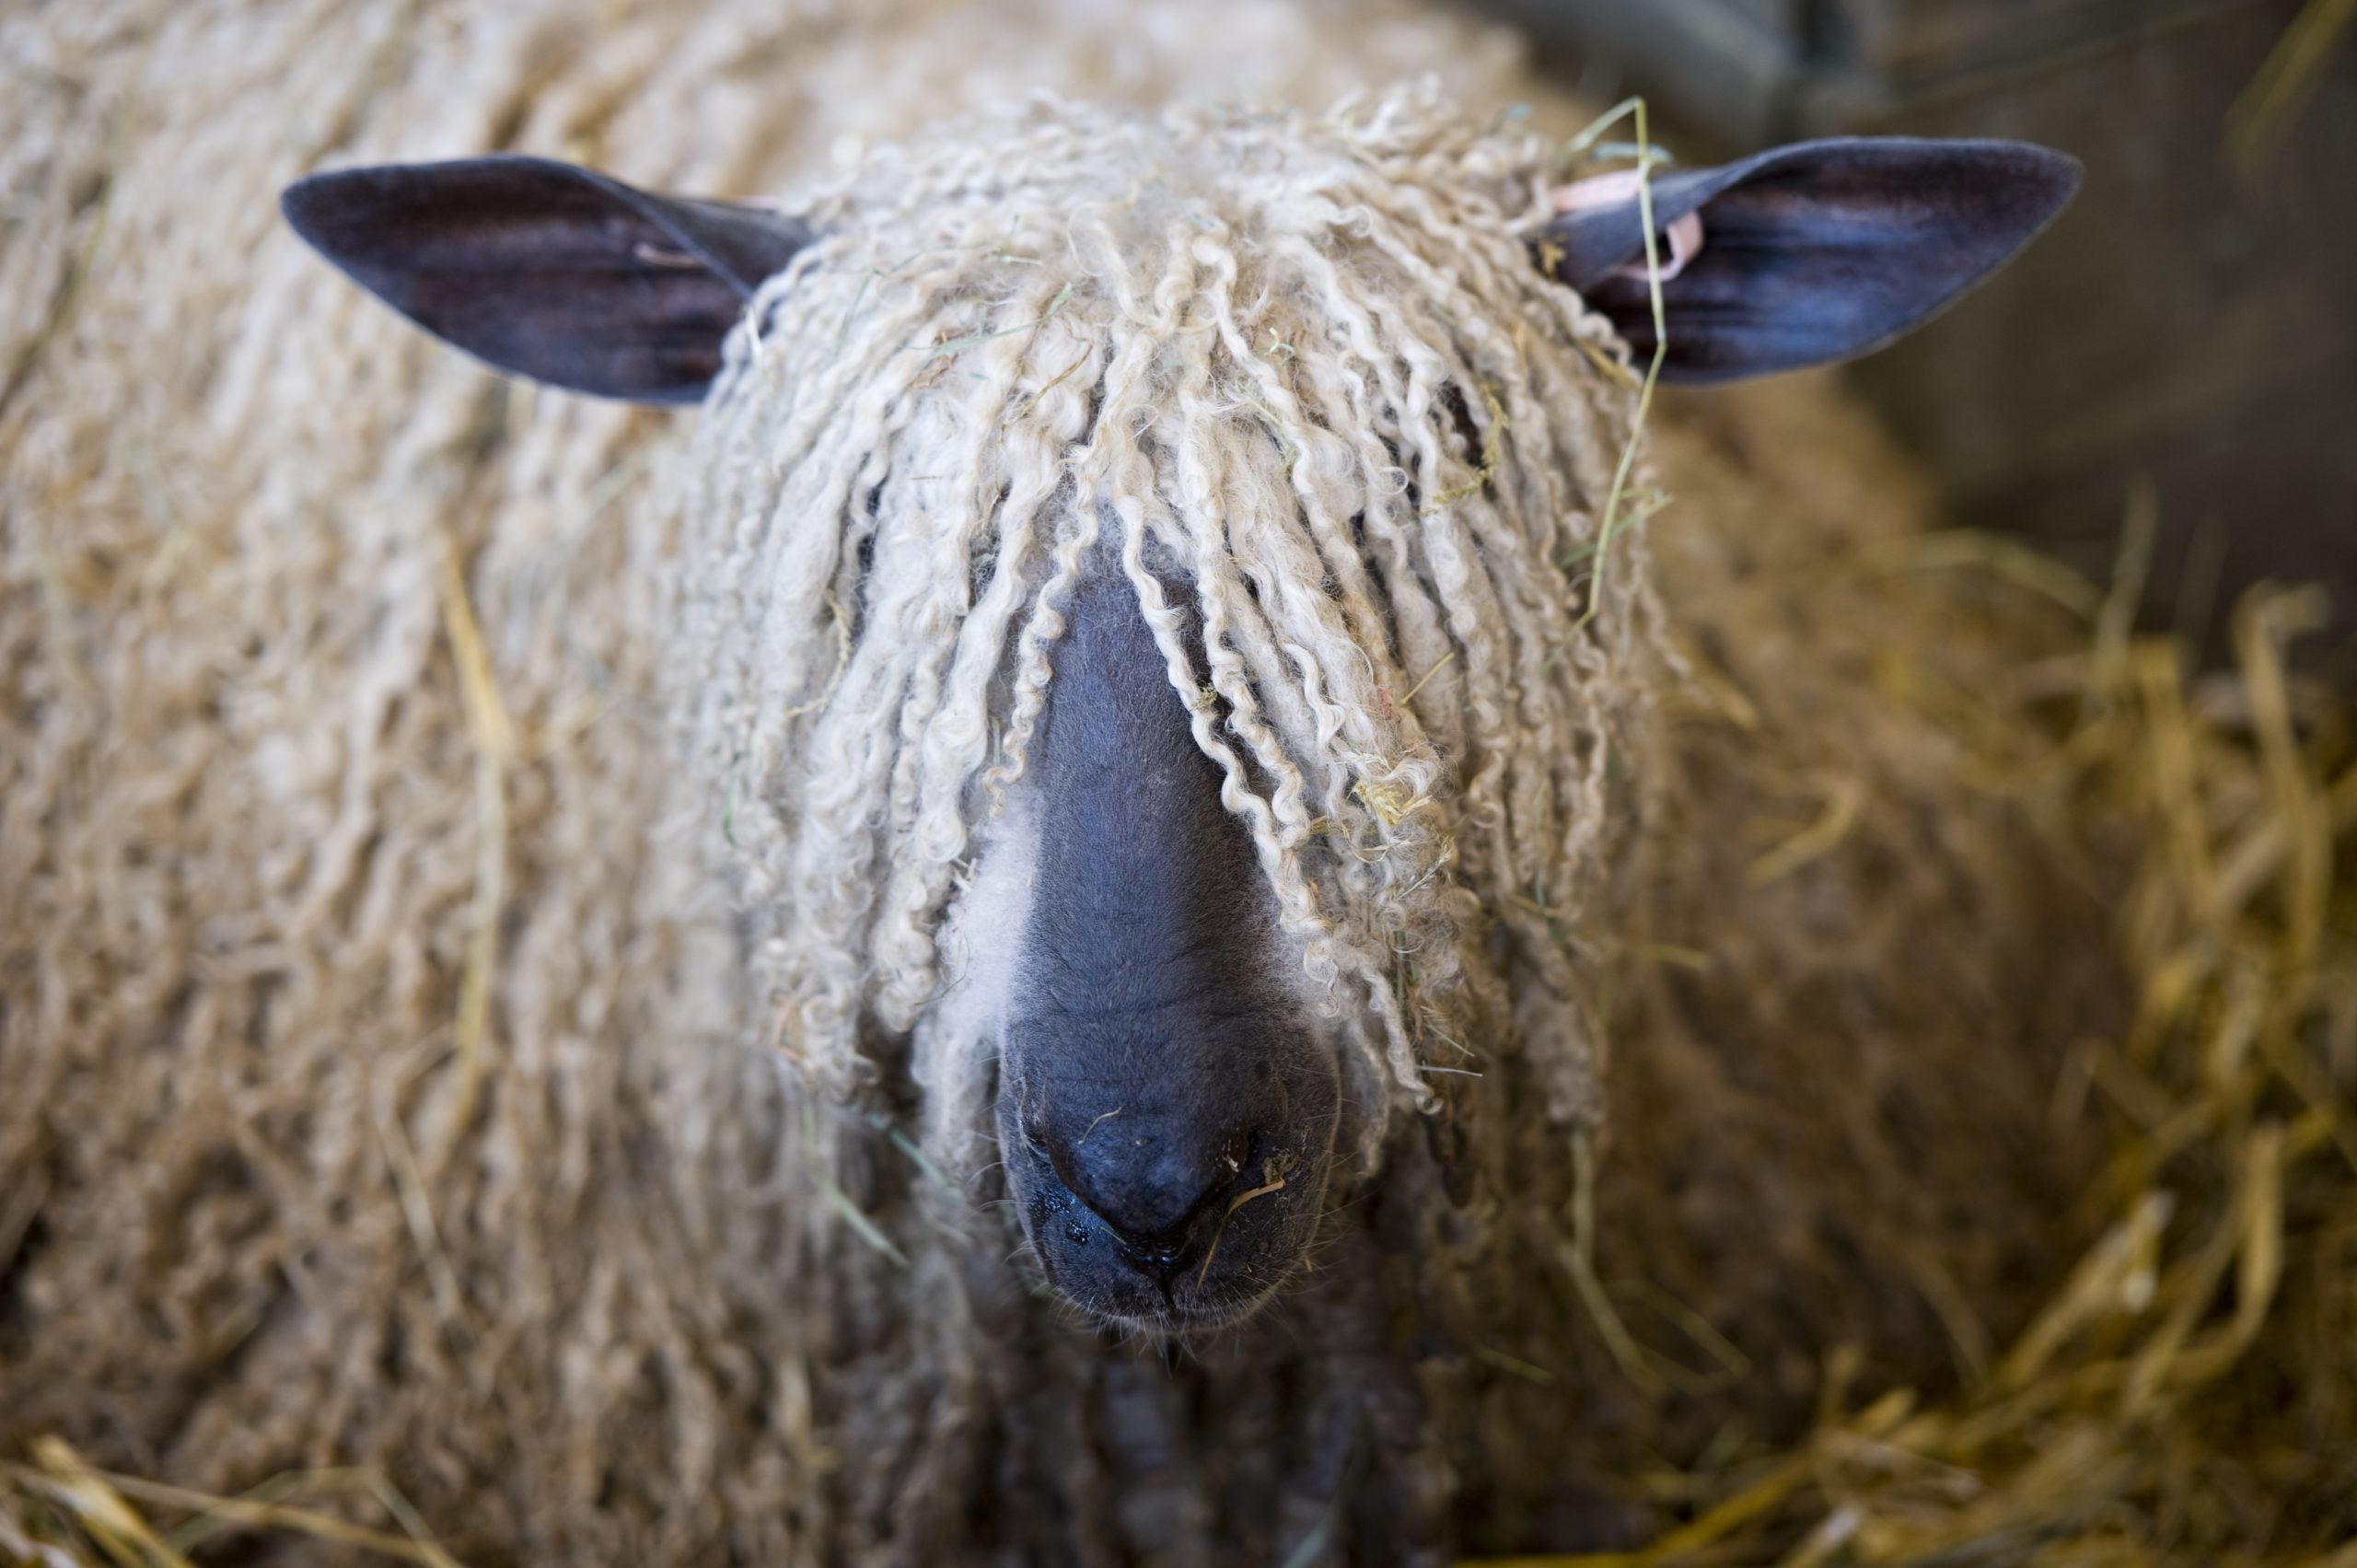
786,1272
1184,568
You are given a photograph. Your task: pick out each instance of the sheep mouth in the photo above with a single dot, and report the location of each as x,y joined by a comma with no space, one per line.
1220,1266
1190,1322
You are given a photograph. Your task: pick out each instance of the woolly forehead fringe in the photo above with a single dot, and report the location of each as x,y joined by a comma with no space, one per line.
1304,366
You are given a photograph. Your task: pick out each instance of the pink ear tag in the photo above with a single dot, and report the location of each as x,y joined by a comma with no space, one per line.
1684,234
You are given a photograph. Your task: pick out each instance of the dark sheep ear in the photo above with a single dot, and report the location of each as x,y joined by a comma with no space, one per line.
550,270
1811,253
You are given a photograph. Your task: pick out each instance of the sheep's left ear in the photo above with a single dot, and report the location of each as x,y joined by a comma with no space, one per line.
550,270
1810,254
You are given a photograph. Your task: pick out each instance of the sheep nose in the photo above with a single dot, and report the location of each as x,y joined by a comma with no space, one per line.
1156,1189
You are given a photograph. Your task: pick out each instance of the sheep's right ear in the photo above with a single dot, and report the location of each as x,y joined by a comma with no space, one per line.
550,270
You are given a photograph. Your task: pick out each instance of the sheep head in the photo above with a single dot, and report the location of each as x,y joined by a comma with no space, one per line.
1242,611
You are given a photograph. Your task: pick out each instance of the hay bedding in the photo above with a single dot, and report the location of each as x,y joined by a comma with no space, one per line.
378,1094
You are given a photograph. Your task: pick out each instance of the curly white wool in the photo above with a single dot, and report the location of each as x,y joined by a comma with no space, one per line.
1303,364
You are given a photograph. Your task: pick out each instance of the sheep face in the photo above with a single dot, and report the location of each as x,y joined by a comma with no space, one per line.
1231,496
1166,1106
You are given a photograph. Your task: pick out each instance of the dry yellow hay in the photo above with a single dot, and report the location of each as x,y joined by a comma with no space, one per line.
2187,1391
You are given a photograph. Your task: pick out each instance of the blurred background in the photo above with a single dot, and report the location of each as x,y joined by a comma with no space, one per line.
2183,346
